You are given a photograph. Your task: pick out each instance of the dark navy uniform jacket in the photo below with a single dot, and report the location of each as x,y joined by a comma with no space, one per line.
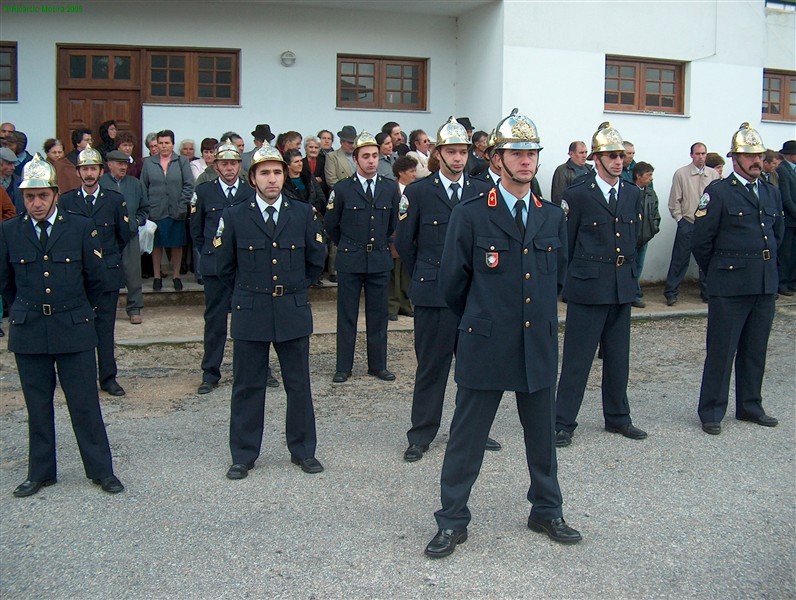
210,202
735,239
505,291
360,230
420,236
51,293
269,277
109,213
602,244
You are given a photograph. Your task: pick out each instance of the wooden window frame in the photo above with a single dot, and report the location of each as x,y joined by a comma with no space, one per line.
640,81
65,80
786,79
191,79
380,89
13,94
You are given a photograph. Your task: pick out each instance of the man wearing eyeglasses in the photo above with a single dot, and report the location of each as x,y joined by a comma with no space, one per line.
603,225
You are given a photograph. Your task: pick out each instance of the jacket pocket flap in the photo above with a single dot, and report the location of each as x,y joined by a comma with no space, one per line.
242,302
22,258
291,243
433,219
475,325
82,315
727,263
584,272
425,274
547,244
492,244
66,257
251,244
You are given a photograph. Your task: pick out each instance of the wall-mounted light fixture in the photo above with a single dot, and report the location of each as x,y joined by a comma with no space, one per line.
288,58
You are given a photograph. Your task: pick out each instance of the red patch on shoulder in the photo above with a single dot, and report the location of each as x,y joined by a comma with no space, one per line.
491,201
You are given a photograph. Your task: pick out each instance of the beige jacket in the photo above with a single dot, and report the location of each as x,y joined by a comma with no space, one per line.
337,167
688,184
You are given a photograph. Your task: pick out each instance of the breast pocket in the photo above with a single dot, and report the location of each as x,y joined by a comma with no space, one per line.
251,254
290,253
25,265
355,214
594,233
68,264
547,253
433,227
490,254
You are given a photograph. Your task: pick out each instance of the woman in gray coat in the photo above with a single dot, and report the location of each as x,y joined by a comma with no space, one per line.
169,183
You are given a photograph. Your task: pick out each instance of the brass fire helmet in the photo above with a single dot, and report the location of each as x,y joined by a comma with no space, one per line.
606,139
264,153
746,141
516,132
364,139
227,151
452,132
38,173
89,156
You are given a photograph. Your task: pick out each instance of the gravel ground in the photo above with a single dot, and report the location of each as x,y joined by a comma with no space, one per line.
679,515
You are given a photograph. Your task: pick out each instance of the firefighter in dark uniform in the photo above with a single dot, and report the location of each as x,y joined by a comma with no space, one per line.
502,268
423,215
108,210
268,251
209,201
360,218
52,276
603,224
738,226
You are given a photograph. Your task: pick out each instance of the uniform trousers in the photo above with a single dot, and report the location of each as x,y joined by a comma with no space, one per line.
349,289
399,289
131,263
681,257
436,332
587,326
217,304
738,327
787,260
250,368
105,325
472,419
77,372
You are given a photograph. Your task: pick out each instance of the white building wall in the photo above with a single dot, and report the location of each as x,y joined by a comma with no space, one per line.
301,97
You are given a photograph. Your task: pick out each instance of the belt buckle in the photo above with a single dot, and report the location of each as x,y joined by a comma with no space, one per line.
369,248
620,260
47,309
279,290
766,254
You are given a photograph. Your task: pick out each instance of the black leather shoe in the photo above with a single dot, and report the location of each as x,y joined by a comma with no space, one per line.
239,471
111,484
113,388
785,291
629,431
177,284
711,428
563,438
492,445
333,278
272,382
407,313
763,420
207,387
556,529
308,465
157,284
392,317
341,376
638,304
671,300
382,374
445,542
28,487
414,452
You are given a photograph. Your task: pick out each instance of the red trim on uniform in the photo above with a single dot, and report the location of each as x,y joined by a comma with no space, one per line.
491,201
536,201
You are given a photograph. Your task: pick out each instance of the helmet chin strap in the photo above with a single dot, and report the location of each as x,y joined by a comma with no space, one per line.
511,175
447,166
747,175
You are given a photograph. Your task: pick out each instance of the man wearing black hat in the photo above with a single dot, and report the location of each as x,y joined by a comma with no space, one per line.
262,133
787,187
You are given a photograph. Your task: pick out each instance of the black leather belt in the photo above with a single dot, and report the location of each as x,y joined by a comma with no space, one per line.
49,309
276,291
367,247
617,260
764,254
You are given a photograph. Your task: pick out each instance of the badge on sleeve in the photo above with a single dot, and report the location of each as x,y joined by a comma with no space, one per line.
565,207
403,208
702,209
98,253
193,203
492,259
330,204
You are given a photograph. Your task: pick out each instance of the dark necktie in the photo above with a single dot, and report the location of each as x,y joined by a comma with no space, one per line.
230,194
753,189
612,200
43,237
369,191
89,201
270,226
518,207
455,192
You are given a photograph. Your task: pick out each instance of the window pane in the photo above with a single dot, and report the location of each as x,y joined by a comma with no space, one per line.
611,71
366,83
667,74
158,89
612,84
775,83
224,77
99,67
667,101
206,62
205,91
177,76
177,62
223,64
223,91
411,72
653,74
205,77
5,58
652,100
393,84
628,86
773,97
158,76
773,109
366,97
628,99
158,61
121,67
347,68
5,87
611,98
410,85
5,73
366,69
176,91
668,88
628,72
393,70
77,67
653,87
